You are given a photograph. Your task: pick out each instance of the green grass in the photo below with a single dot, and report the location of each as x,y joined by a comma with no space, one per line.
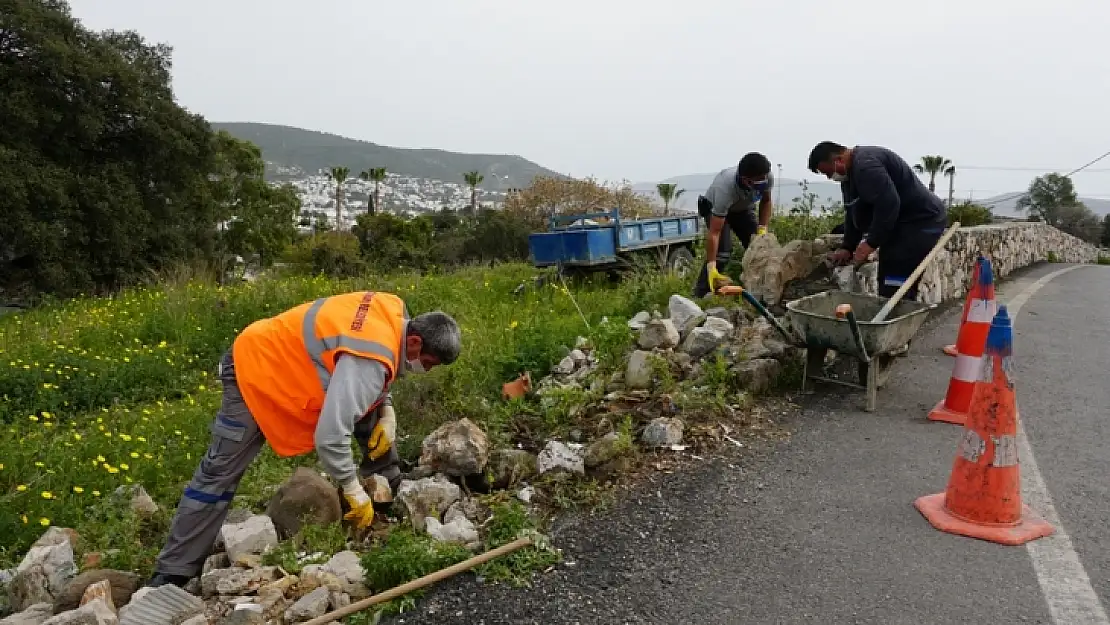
103,392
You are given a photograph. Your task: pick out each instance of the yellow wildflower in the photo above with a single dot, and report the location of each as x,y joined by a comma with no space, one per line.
47,494
78,490
21,488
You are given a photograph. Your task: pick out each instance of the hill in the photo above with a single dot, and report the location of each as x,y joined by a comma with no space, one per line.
295,152
1005,205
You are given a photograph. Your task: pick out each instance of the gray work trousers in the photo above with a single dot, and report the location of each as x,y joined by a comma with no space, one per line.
236,441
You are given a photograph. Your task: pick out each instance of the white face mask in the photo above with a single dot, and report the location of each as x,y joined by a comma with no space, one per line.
415,366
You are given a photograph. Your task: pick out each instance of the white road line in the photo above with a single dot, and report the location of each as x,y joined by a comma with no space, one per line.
1064,583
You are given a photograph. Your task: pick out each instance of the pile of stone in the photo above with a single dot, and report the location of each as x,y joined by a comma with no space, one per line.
235,587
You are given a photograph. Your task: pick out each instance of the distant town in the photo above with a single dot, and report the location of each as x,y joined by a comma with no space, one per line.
400,195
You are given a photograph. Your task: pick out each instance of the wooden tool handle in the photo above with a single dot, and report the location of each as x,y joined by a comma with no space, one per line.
417,584
889,306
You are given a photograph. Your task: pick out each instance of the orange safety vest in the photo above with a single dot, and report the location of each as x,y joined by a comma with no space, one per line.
284,364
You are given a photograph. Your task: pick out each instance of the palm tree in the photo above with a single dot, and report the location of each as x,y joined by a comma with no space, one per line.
377,176
339,174
669,193
932,165
950,171
473,179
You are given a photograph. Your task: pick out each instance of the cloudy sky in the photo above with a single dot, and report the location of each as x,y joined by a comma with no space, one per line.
646,89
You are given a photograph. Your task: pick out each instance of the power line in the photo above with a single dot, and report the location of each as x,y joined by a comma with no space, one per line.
1041,169
1067,175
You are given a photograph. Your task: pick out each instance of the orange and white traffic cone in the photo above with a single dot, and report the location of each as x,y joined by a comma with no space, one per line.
983,498
951,348
969,345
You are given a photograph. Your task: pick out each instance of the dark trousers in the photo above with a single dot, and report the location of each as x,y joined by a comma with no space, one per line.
900,256
743,223
236,441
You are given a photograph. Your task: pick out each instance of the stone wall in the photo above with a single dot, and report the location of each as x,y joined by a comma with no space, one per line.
1009,247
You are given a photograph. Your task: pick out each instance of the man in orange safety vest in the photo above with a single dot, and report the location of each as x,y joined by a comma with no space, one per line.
307,380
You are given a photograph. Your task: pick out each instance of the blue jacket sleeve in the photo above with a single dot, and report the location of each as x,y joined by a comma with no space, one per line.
875,187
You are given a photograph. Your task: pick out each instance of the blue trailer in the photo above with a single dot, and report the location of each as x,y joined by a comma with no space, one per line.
604,241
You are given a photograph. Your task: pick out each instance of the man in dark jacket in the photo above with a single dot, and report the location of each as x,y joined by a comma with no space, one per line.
887,208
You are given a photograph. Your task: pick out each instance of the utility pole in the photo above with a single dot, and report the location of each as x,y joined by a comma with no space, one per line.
778,188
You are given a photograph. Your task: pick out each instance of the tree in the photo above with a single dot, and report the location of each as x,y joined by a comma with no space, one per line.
932,165
260,217
339,174
1105,231
969,214
473,179
1046,195
669,193
1080,221
377,176
950,172
548,196
103,177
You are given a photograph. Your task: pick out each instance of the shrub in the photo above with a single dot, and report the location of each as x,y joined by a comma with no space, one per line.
969,214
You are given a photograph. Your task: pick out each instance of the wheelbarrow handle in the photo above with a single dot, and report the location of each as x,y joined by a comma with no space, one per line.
857,336
733,289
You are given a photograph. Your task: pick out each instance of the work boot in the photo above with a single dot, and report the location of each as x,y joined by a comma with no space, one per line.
161,579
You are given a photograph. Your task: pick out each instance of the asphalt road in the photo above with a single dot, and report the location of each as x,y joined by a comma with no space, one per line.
821,528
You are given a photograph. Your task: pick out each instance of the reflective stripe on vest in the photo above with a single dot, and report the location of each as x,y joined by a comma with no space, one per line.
316,346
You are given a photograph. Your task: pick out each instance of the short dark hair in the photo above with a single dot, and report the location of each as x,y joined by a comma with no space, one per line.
754,164
822,152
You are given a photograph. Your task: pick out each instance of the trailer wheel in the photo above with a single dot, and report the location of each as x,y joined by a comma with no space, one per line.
681,261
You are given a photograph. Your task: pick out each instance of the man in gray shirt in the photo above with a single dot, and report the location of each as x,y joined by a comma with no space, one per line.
729,205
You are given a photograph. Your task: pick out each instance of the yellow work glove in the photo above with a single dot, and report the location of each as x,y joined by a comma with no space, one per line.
362,507
716,278
760,231
385,430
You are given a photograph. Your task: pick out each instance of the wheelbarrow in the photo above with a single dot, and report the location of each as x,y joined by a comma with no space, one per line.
829,320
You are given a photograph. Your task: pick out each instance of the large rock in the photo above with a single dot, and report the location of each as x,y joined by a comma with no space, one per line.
638,373
430,496
123,585
44,573
137,499
685,314
510,466
36,614
308,607
757,375
639,320
305,497
703,340
658,334
347,567
557,456
460,530
769,266
605,449
458,448
663,432
256,535
95,612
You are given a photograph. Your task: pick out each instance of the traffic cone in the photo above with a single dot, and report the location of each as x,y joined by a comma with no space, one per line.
951,349
983,498
969,345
